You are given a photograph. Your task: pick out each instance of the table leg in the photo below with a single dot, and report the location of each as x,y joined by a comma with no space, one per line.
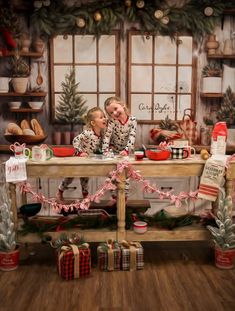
121,208
12,189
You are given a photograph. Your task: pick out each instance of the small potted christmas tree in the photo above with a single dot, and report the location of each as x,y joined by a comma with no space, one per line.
9,251
226,112
71,105
224,234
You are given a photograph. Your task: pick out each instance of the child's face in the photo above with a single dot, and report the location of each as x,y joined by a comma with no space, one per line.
116,110
99,120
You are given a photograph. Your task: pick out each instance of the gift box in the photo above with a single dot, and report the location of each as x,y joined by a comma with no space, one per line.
109,256
74,261
132,256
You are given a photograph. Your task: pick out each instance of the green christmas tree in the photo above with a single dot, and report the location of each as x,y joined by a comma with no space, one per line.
226,112
71,105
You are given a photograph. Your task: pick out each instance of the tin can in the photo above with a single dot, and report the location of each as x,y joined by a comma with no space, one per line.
205,136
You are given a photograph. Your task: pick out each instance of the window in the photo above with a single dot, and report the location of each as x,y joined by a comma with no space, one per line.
96,62
161,74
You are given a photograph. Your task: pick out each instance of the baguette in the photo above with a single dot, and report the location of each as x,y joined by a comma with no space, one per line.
24,124
28,132
37,127
14,129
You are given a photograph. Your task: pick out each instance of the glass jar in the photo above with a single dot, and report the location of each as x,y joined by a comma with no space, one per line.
205,136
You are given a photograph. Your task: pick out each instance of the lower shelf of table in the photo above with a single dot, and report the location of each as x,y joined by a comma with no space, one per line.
189,233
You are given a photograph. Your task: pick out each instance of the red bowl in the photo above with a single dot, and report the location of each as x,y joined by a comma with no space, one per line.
157,154
63,151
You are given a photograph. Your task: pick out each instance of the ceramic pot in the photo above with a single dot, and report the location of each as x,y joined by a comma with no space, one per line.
224,259
212,45
9,260
212,85
20,84
228,47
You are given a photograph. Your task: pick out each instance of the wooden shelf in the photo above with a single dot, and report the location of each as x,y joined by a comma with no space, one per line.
25,54
221,56
25,110
30,94
212,95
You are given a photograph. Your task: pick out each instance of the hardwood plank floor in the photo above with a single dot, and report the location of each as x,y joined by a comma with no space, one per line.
177,276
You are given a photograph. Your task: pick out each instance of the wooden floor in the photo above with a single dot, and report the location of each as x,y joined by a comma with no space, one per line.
177,276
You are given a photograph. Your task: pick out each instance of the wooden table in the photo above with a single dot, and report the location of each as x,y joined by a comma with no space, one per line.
81,167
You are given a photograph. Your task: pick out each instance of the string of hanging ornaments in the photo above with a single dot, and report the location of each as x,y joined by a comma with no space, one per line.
156,17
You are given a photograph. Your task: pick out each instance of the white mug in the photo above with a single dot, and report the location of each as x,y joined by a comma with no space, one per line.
191,151
4,84
41,153
20,151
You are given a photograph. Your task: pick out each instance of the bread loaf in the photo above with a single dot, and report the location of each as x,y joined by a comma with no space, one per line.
24,124
37,127
28,132
14,129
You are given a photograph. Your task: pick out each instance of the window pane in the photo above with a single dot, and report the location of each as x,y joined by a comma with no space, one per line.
184,79
165,79
141,50
185,50
85,49
86,75
107,49
184,102
107,78
59,76
141,106
63,49
164,105
91,100
141,79
165,50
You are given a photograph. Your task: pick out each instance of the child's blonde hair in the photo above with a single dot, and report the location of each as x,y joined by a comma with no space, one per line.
116,99
91,116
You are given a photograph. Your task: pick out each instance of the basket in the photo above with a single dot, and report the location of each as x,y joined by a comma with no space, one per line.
27,139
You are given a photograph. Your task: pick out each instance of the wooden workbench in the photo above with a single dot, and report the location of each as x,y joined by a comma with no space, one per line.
80,167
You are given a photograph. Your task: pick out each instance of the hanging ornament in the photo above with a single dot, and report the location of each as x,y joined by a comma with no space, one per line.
97,16
165,20
65,37
128,3
158,14
140,4
80,22
208,11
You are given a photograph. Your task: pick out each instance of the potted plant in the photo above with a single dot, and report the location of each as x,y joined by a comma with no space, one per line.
20,73
71,105
224,234
212,78
226,112
9,250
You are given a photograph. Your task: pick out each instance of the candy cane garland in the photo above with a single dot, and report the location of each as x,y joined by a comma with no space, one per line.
109,184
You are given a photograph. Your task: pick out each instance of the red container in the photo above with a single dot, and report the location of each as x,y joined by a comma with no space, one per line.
158,154
9,260
63,151
224,259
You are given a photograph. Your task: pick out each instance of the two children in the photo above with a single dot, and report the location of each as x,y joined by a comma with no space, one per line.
119,136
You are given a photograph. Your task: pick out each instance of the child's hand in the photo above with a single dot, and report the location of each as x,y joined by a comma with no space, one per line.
83,154
123,153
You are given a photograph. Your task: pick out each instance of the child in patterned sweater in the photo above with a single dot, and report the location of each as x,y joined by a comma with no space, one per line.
89,141
120,133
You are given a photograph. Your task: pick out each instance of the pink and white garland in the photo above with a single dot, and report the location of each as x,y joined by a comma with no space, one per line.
110,184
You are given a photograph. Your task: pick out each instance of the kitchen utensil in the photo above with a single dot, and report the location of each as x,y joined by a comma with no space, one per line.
39,79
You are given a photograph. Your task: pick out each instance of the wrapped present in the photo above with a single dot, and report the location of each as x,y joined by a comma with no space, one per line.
109,256
74,261
132,256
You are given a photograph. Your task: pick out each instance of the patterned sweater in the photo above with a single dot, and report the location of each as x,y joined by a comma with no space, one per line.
120,136
87,141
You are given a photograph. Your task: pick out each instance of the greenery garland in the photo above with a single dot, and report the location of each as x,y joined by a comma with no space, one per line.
197,17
